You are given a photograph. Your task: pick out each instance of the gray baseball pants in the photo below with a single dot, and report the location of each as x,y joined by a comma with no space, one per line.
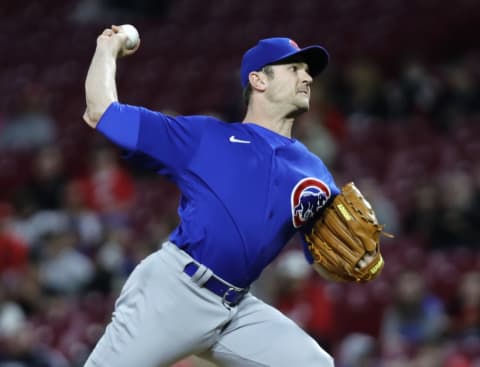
162,316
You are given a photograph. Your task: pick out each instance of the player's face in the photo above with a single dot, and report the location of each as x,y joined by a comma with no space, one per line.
290,87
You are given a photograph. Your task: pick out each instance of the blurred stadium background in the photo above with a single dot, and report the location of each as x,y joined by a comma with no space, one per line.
398,112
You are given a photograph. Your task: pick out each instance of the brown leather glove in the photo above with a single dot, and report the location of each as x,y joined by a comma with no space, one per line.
345,233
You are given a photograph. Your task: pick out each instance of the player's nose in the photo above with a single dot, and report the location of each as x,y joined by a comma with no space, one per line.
306,77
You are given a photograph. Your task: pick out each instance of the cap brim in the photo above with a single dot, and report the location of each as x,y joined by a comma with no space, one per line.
316,58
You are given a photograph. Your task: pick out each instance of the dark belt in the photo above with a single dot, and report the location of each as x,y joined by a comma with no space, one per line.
230,295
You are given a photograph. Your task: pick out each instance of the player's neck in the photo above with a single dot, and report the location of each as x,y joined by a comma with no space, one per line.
276,122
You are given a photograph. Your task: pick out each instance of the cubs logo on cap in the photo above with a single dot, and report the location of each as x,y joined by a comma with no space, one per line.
308,197
294,44
277,49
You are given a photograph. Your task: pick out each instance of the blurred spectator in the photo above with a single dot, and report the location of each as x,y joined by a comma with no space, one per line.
113,262
18,346
358,350
109,188
21,218
331,94
454,214
31,125
12,318
24,349
26,291
31,225
429,355
302,296
48,179
419,220
13,251
62,268
396,101
83,221
459,360
414,317
116,258
476,202
366,97
459,98
464,309
419,91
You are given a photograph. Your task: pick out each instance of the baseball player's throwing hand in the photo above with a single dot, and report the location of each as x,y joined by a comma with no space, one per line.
114,40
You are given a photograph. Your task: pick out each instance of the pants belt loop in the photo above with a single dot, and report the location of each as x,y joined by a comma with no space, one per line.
202,275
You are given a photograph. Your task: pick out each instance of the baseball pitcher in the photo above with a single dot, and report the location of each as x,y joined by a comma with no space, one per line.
246,188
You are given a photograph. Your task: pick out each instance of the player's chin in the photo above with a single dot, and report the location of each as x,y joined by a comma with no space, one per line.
303,106
300,106
303,102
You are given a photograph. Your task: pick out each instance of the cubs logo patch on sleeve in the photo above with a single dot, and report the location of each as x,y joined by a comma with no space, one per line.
308,196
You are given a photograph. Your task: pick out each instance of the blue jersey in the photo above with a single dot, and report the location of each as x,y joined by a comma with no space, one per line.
245,189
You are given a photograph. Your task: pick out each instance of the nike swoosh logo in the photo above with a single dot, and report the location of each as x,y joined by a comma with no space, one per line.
233,139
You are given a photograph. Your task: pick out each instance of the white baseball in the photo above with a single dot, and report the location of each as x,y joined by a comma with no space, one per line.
132,36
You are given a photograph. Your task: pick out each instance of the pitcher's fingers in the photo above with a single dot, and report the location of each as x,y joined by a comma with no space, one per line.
362,263
107,32
368,258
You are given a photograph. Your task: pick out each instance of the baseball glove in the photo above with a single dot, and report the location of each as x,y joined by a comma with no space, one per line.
346,232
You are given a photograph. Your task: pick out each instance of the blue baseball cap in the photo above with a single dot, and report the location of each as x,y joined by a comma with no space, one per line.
277,49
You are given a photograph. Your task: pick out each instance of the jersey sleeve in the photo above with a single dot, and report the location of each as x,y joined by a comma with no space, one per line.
152,139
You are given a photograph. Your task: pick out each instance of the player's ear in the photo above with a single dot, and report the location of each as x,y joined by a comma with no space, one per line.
258,80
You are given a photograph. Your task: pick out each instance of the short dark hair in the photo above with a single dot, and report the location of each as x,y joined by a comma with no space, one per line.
247,91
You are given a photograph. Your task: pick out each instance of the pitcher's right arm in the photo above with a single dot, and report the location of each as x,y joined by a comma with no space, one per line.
100,84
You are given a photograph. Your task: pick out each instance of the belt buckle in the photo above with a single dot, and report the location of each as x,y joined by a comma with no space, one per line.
226,302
